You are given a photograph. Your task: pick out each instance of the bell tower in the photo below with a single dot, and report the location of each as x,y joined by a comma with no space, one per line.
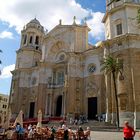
30,47
25,76
122,17
122,32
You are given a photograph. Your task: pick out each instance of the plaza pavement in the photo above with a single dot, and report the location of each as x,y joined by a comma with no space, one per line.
102,135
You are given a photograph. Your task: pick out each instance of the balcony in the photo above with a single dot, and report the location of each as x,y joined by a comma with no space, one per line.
55,86
114,4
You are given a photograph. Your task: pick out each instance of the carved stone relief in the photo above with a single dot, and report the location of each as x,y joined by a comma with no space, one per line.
91,89
34,81
123,102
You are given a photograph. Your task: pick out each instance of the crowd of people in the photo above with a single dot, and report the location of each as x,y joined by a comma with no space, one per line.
78,120
34,132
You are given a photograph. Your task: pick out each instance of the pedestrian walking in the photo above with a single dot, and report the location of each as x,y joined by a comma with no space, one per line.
128,131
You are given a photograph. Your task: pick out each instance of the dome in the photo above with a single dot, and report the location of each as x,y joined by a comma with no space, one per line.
35,21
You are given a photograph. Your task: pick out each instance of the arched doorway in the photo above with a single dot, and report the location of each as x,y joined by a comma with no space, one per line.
59,106
32,109
92,108
0,119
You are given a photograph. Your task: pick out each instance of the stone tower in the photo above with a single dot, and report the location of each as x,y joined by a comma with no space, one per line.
30,48
24,76
122,31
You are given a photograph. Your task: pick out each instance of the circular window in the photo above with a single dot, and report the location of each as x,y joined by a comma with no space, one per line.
62,56
91,68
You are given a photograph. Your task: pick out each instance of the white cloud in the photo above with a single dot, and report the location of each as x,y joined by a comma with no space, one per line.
95,23
6,34
18,12
6,71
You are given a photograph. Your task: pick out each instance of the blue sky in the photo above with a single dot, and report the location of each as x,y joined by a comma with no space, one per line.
15,14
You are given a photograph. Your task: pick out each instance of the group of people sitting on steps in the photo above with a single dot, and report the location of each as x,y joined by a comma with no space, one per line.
34,132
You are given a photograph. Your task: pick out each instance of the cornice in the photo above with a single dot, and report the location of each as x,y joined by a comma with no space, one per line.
67,27
104,18
25,69
28,49
124,5
120,38
95,50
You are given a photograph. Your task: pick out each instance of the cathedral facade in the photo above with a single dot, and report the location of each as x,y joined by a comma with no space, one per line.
59,72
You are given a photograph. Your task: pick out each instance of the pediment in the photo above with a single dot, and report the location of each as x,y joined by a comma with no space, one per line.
58,30
56,48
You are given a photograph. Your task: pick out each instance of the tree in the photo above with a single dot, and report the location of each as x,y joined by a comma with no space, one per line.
111,65
138,16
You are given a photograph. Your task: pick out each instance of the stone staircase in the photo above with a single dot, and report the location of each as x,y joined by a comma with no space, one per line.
94,125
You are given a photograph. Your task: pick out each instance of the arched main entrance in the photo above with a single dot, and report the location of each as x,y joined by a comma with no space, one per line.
32,109
59,106
92,108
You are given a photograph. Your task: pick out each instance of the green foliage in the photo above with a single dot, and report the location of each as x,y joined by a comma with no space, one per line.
138,16
111,64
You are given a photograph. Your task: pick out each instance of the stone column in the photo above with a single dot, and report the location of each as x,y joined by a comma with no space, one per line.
62,110
108,98
108,90
34,37
46,106
50,105
64,107
136,122
113,119
43,53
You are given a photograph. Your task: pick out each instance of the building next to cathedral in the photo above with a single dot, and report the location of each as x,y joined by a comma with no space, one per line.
3,108
59,72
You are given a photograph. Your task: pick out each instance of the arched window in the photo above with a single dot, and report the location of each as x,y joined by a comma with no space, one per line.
37,48
61,57
119,27
37,40
60,77
91,68
31,40
36,63
25,38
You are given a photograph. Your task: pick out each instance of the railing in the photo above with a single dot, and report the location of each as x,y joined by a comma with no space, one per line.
114,4
28,121
134,1
52,86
